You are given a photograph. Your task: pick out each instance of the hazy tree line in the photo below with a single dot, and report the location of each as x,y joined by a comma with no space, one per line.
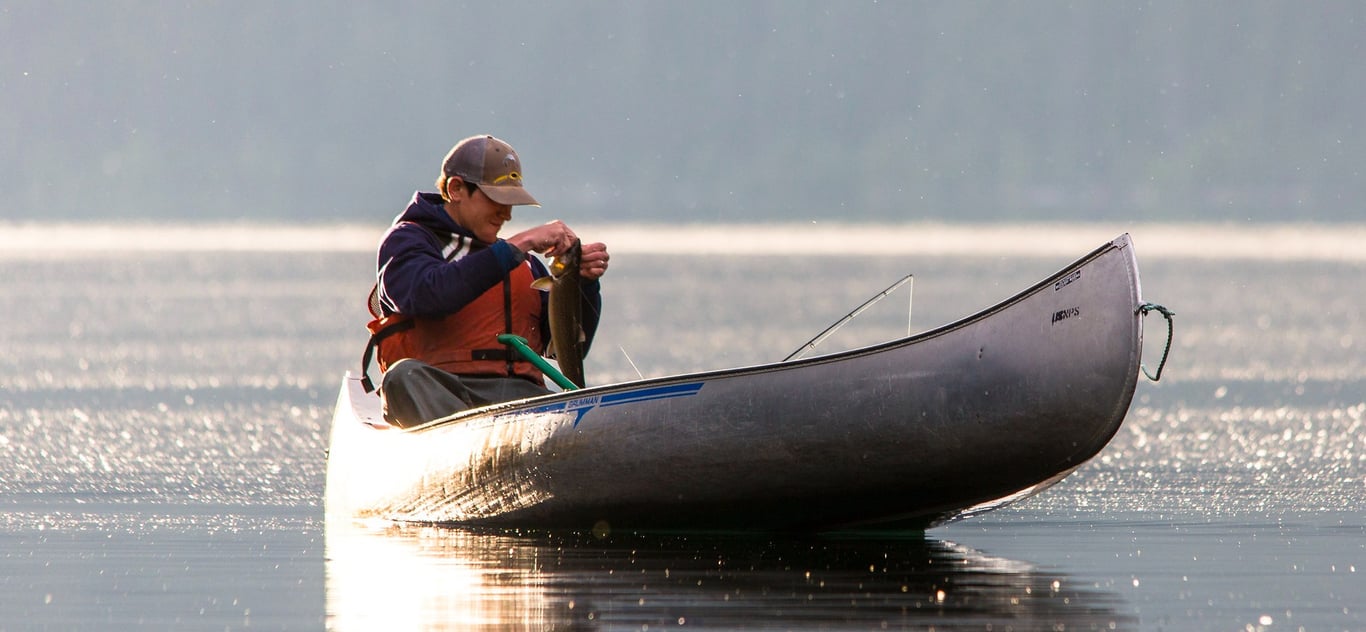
689,111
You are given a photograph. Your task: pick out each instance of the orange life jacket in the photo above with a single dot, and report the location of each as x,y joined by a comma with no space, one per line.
465,342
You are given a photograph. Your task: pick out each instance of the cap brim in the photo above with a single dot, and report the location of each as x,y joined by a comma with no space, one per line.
510,195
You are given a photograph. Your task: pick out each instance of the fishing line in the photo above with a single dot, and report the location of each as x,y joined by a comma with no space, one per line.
811,344
632,362
910,302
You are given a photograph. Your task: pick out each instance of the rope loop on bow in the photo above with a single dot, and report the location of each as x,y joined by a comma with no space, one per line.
1167,314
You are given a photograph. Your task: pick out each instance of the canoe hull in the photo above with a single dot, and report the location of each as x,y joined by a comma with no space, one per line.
910,433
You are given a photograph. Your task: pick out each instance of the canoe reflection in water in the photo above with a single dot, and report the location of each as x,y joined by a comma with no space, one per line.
413,577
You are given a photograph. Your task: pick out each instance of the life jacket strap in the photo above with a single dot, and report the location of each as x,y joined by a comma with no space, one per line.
406,324
370,347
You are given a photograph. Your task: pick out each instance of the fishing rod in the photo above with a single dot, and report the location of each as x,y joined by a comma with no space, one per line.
811,344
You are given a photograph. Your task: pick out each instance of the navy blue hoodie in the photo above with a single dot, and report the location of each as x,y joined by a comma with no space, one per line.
415,279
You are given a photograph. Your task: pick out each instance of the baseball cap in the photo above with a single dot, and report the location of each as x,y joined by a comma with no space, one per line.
492,165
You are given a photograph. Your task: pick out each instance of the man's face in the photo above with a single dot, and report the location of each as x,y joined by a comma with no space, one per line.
477,212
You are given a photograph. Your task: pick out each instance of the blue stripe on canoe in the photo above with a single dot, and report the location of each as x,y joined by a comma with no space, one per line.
645,395
617,399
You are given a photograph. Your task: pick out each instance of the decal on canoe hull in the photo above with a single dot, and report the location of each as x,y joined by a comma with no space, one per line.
1064,314
582,405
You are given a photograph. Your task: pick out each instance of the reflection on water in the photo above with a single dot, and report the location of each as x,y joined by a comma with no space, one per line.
395,577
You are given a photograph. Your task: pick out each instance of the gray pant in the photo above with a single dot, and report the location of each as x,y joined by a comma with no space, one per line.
415,392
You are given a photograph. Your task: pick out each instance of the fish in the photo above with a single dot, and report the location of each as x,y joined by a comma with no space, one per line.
567,338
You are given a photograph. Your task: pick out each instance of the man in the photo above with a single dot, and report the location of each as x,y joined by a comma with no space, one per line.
447,286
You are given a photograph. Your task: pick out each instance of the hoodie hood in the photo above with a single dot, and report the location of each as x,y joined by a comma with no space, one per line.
429,210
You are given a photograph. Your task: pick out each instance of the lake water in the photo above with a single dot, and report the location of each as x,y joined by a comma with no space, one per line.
164,409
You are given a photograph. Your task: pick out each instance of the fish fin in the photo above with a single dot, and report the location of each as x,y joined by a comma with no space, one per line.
543,284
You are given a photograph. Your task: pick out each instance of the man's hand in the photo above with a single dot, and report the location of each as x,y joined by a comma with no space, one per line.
593,262
550,239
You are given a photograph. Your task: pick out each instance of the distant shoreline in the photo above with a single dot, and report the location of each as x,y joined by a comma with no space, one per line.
1277,242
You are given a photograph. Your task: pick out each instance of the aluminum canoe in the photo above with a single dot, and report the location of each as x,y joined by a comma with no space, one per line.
910,433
